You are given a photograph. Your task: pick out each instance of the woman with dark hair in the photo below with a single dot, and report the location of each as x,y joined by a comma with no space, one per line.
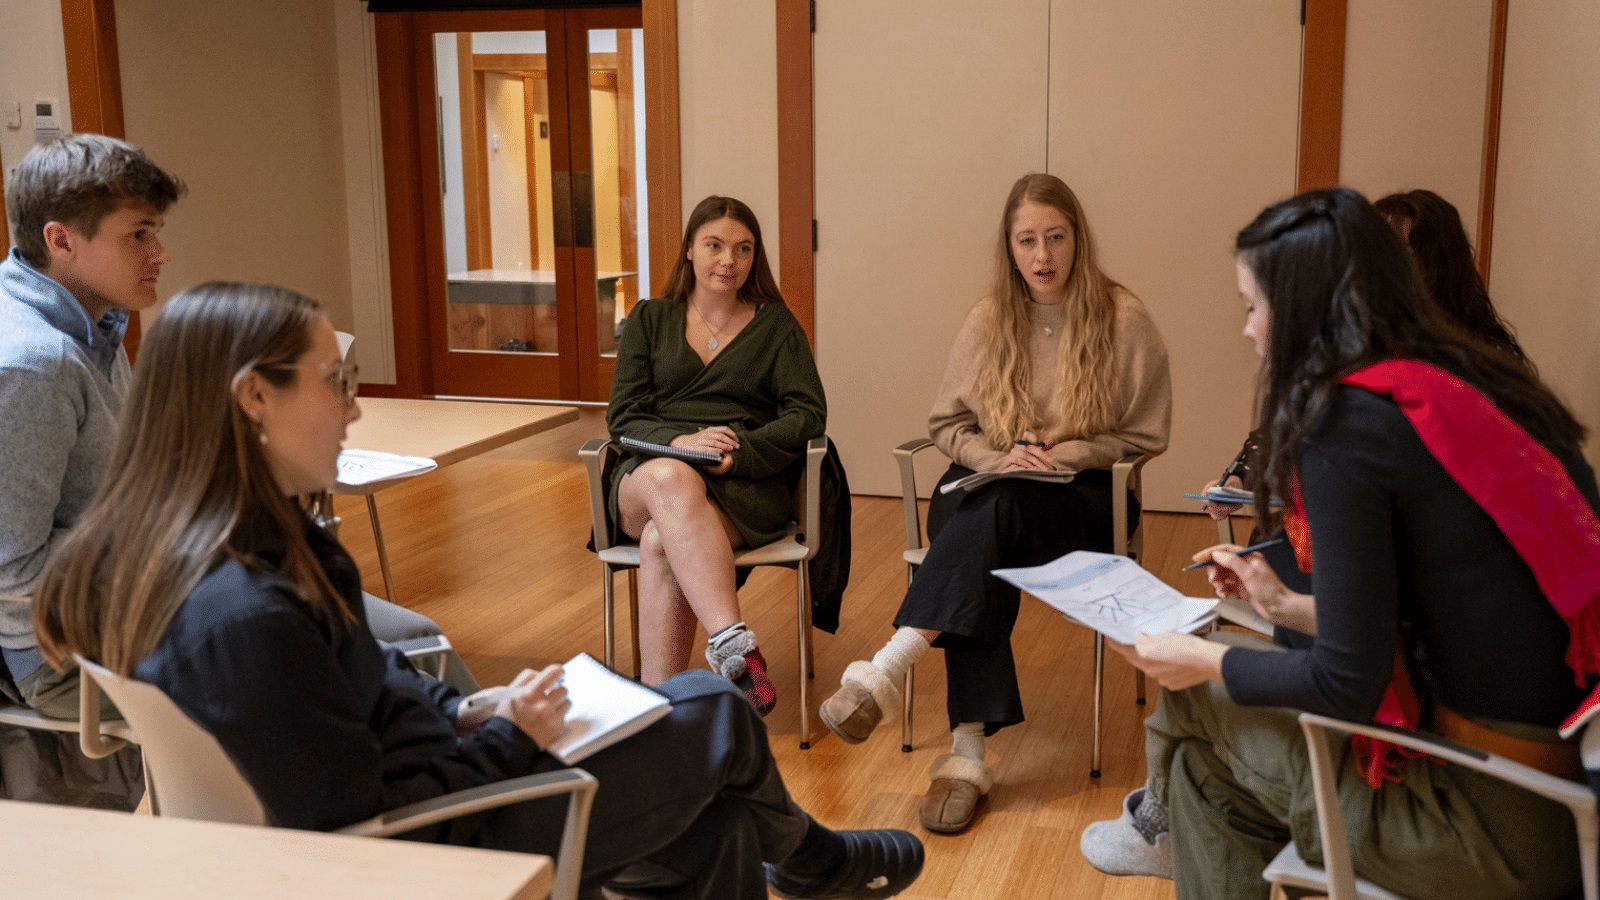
1441,489
717,364
1431,227
1059,369
196,571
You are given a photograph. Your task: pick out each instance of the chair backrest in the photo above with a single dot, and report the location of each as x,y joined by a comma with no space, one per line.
1578,798
192,775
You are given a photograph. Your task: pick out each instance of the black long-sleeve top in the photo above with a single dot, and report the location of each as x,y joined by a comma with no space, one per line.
1400,550
325,725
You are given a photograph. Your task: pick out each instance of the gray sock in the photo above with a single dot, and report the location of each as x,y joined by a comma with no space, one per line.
1149,815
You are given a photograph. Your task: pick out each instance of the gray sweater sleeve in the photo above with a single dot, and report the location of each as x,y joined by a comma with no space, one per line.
41,427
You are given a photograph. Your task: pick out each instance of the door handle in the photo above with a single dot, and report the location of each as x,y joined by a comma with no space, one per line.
572,201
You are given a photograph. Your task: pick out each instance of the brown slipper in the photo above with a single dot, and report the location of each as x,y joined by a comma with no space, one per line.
864,698
851,713
952,801
949,806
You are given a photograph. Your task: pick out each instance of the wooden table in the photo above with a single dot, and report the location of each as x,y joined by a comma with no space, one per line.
446,431
59,851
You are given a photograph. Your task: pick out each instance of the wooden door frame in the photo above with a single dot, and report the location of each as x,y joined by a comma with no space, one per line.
94,86
1494,90
405,175
797,163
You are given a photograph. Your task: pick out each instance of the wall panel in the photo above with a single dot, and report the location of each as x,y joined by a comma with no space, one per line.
1413,98
1547,203
1175,124
922,124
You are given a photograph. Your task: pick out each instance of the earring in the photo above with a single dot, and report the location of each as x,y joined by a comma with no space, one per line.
263,436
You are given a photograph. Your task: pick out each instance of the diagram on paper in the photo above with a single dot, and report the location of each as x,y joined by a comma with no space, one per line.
1111,594
1127,603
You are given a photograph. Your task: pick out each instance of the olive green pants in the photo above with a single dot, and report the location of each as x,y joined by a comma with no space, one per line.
1237,782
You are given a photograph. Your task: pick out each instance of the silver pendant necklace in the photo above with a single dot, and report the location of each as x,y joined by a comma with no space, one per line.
713,343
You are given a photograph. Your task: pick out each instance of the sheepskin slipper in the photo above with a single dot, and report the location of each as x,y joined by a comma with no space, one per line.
865,698
953,798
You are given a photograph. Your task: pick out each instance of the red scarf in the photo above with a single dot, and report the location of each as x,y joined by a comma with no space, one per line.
1530,496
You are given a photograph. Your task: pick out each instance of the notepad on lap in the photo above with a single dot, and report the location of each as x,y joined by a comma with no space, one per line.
606,708
695,457
979,479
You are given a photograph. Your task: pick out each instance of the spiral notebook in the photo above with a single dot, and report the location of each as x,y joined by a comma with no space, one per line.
606,708
694,457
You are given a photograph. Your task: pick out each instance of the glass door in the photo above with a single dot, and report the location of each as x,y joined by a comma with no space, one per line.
534,257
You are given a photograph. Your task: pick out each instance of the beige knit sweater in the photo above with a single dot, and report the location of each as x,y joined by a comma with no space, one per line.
958,422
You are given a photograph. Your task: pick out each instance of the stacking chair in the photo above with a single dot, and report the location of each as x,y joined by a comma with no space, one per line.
1336,879
1125,477
191,777
792,551
1291,876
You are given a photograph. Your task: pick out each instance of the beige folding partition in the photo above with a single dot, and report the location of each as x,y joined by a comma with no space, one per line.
1415,74
1544,276
1175,122
923,121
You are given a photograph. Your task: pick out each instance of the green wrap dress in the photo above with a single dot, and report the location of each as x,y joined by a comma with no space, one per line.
763,385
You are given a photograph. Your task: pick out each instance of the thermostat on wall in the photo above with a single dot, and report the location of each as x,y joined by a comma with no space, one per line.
46,124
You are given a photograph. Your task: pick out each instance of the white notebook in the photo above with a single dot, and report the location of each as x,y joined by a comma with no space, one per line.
357,467
979,479
606,708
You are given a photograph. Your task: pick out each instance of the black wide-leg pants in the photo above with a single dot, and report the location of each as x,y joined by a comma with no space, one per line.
688,808
1003,524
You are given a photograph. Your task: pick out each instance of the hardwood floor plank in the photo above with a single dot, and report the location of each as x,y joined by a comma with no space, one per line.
493,550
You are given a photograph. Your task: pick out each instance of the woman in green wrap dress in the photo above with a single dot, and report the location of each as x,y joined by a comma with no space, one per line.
718,363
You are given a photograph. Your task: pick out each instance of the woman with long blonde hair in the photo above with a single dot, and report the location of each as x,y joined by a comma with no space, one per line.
196,571
1059,370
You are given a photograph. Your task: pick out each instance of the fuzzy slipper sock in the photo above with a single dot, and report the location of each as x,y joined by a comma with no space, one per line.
902,651
725,650
733,654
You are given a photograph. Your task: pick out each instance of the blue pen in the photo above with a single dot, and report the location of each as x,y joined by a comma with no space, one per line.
1253,548
1026,443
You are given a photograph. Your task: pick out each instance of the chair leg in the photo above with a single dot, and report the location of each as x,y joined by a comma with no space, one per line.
802,592
383,555
905,726
905,723
150,786
608,613
633,613
1099,679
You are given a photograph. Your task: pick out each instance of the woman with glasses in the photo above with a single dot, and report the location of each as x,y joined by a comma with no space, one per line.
196,571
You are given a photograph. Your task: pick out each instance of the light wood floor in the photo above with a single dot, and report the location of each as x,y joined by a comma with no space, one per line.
493,550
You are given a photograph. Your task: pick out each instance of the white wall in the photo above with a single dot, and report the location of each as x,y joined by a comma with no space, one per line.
728,107
241,100
1543,275
367,227
33,67
1414,84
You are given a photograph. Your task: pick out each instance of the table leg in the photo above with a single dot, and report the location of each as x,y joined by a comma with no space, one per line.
383,556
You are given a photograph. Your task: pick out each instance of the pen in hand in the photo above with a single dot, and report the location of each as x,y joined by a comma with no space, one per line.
1253,548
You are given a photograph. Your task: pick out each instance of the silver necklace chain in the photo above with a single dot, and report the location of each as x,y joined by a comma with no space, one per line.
716,333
